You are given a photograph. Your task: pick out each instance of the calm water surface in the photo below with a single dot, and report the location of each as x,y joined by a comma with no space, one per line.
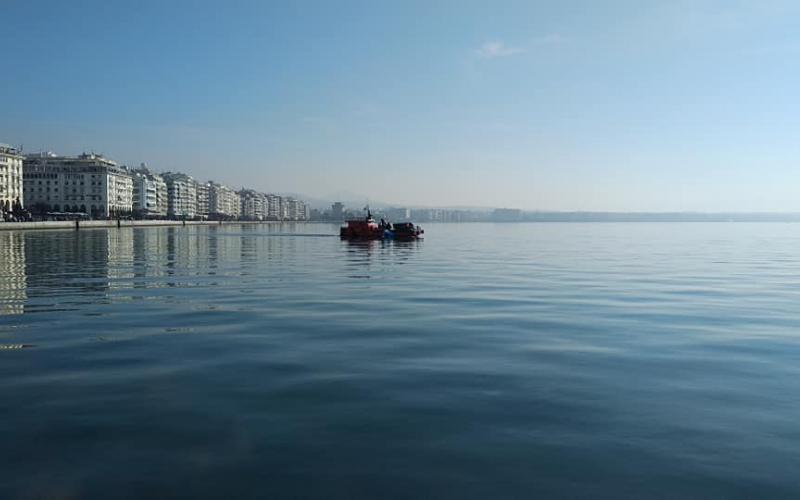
488,361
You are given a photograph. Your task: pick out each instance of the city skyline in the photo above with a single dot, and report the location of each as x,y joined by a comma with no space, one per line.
624,106
47,185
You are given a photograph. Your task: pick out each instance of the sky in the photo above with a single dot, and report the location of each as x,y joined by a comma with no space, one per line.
569,105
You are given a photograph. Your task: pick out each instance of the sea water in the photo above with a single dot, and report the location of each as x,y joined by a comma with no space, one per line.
486,361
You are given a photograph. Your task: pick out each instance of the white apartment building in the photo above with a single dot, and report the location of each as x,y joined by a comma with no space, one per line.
11,192
299,210
202,199
284,208
149,193
223,202
181,195
88,183
162,195
273,207
293,209
398,214
254,205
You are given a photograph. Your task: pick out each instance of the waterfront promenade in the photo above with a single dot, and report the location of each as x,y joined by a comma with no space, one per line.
90,224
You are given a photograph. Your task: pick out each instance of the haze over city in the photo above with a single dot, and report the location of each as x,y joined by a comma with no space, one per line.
623,106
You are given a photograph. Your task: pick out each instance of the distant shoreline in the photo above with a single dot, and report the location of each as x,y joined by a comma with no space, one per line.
543,218
655,217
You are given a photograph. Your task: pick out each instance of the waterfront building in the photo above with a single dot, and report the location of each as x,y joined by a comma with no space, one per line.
202,199
149,193
11,192
273,207
223,202
506,215
337,211
397,214
181,195
293,209
89,183
254,204
283,209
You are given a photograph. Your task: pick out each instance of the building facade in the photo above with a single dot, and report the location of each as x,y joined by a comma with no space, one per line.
293,209
337,211
273,207
202,199
283,208
150,198
223,202
11,191
398,214
88,183
254,205
181,195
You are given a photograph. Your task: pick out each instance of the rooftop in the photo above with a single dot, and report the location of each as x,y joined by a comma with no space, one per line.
8,149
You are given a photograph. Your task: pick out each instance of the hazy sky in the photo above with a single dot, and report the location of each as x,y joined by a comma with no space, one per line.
673,105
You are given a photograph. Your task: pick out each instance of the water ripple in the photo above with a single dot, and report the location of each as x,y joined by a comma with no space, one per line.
517,360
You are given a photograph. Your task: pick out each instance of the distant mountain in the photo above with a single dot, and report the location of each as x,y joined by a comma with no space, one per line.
352,201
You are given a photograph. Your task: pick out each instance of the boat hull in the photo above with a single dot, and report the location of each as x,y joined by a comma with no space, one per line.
368,230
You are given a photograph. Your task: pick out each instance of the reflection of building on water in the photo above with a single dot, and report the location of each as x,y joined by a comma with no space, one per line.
206,250
92,260
59,260
264,244
92,264
149,255
170,252
13,283
120,257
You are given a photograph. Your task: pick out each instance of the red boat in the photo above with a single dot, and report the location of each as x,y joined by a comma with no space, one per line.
368,229
361,229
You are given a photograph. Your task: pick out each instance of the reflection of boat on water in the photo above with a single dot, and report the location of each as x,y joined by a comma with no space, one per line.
368,229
